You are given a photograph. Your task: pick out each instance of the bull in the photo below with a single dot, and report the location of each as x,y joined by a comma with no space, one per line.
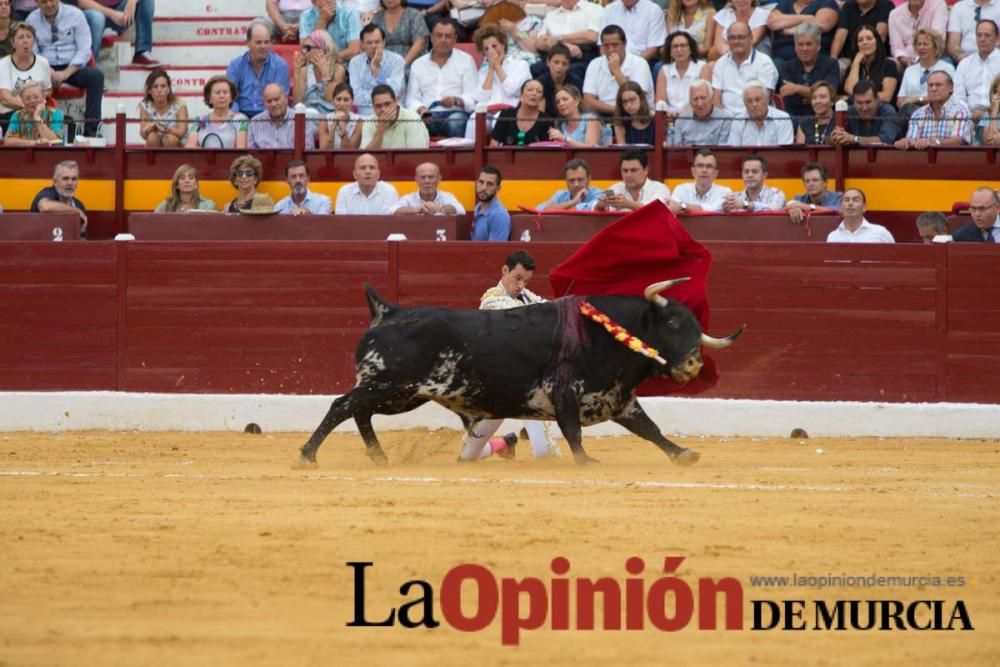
541,361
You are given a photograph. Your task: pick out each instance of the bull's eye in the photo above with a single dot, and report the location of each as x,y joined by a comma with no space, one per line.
673,324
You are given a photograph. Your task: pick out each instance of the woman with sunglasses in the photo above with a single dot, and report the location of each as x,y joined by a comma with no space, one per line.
929,45
317,72
245,174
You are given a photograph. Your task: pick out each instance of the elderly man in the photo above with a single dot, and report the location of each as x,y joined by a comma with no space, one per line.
854,228
635,189
703,194
943,121
343,24
61,195
62,37
578,193
962,23
374,66
605,75
575,24
642,21
442,83
816,196
274,128
930,225
869,120
705,124
302,200
367,195
808,66
741,65
984,205
977,70
392,126
761,124
490,220
428,200
256,68
756,195
907,18
120,15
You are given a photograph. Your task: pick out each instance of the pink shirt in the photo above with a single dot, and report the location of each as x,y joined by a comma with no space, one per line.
903,27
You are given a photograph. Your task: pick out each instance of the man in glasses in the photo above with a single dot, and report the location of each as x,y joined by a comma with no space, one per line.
965,17
976,71
806,68
703,194
741,65
984,205
61,195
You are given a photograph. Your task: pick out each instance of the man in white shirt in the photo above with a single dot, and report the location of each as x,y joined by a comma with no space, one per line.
428,200
367,195
575,24
442,83
760,124
703,194
742,64
605,75
635,189
302,201
756,195
854,228
642,21
976,72
962,23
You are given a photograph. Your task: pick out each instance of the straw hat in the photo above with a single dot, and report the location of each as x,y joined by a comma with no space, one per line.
262,204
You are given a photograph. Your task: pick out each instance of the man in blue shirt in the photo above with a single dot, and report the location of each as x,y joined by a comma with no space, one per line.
343,24
375,65
490,220
578,193
814,177
255,69
302,200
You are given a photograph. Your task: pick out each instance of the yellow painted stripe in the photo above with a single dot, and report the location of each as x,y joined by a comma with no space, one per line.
18,193
886,194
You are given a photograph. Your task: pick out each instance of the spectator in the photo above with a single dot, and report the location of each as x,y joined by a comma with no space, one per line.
301,200
120,15
816,129
696,18
245,174
6,34
943,121
524,124
523,35
908,19
988,129
490,220
501,76
642,21
372,67
343,24
575,126
633,122
929,46
785,19
283,18
681,68
974,74
984,206
869,121
367,195
574,24
61,195
392,126
734,70
703,194
931,224
18,68
34,124
558,73
442,83
870,62
741,11
428,199
760,124
635,190
22,8
274,128
806,67
366,9
162,117
816,196
705,124
408,35
756,195
255,69
578,195
221,127
316,72
608,73
853,15
854,228
184,193
342,128
68,58
962,24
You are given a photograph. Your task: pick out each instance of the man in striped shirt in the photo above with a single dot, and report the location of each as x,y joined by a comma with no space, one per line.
274,127
373,66
944,121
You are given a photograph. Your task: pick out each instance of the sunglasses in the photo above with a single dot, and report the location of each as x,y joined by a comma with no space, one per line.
306,48
245,174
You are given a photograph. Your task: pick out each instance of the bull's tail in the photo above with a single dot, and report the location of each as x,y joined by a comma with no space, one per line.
376,306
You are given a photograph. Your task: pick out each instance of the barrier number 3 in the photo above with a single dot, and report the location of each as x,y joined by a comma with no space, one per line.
57,234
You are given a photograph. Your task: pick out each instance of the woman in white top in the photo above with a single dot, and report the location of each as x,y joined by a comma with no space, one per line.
20,67
342,127
744,11
681,68
696,18
500,75
929,45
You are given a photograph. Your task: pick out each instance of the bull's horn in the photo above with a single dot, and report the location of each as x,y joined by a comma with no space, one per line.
719,343
652,292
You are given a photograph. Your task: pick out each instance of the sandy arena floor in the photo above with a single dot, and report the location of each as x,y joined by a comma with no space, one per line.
209,549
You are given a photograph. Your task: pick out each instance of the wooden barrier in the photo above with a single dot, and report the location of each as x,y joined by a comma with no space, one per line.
40,227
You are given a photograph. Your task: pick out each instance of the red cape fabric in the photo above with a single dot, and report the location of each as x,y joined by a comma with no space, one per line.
645,246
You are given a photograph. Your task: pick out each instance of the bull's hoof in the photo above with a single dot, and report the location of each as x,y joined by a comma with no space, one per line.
687,457
379,458
306,463
584,459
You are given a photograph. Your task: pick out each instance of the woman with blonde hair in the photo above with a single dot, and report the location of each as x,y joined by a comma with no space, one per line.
184,193
574,126
245,173
988,130
696,18
929,45
162,117
816,129
317,72
33,124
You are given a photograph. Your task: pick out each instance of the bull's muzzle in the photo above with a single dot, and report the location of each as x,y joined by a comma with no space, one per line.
687,369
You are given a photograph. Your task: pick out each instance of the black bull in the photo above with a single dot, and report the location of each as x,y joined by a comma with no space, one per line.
543,361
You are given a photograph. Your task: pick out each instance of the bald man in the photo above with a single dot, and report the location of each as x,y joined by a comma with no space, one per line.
367,195
428,200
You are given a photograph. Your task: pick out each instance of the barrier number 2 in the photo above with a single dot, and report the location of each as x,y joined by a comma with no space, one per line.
57,234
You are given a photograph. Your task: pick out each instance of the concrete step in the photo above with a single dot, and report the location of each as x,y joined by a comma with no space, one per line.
197,54
211,8
185,80
201,29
